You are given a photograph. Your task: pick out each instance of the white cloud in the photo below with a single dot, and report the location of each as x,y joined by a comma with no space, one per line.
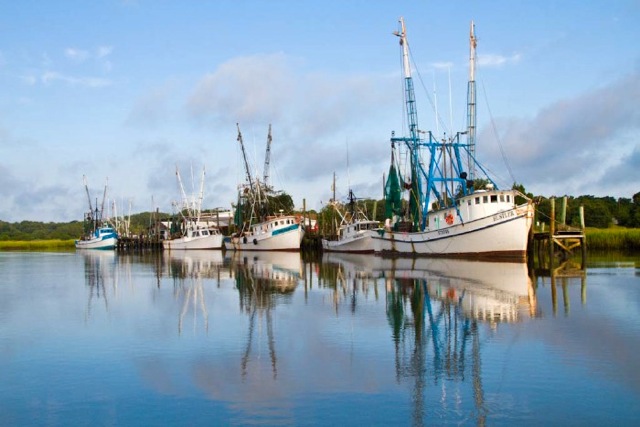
49,77
77,55
492,60
574,145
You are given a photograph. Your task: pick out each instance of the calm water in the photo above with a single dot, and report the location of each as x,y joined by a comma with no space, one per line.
204,338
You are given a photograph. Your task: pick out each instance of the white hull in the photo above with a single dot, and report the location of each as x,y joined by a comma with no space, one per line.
277,234
196,237
109,243
202,242
500,235
353,237
362,243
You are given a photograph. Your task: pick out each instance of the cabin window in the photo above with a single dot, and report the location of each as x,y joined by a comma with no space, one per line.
469,202
502,197
205,233
508,198
494,198
477,200
485,199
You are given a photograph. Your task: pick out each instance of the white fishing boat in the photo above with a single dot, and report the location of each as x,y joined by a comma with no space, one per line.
450,211
104,237
196,236
98,233
259,226
355,232
193,232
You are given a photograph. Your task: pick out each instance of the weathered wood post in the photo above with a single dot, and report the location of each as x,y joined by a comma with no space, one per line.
583,244
552,231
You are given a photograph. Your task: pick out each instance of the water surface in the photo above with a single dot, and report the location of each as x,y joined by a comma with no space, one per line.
206,338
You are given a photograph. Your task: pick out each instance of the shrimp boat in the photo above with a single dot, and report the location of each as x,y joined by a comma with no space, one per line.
98,234
260,218
194,232
356,231
450,211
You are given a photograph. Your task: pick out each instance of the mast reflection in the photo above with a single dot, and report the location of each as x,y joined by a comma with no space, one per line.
99,270
263,279
435,308
188,269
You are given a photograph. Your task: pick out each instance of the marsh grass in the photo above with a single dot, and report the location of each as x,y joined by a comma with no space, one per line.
36,245
625,239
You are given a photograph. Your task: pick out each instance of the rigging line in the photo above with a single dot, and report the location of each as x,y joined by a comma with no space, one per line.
495,131
431,101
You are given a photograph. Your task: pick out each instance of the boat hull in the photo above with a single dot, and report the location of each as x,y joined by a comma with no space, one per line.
106,244
362,243
502,235
203,242
267,237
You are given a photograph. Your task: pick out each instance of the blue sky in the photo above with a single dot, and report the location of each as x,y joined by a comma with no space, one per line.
130,89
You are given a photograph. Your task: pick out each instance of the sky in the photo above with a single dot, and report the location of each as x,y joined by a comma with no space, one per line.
125,92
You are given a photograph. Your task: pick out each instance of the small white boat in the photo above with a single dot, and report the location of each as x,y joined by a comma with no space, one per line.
259,229
355,233
280,233
195,233
196,237
102,238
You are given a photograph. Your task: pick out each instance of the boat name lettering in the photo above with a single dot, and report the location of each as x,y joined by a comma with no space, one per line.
503,215
441,232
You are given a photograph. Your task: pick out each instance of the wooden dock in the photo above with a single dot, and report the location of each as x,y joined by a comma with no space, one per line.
557,245
138,243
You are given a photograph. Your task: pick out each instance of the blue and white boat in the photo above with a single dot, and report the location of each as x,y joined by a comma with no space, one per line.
104,237
98,234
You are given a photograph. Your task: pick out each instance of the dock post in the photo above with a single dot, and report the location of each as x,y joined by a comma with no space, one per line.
552,232
583,243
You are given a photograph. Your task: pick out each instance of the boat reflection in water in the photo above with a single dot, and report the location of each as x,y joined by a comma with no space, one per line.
435,308
487,291
188,269
101,277
263,279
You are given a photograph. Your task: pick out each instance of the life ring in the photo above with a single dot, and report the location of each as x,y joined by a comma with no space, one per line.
449,218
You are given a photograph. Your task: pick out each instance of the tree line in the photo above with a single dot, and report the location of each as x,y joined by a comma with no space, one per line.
599,212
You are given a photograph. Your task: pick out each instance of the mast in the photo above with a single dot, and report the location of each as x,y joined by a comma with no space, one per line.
86,187
244,156
413,142
200,196
104,196
471,103
185,199
267,158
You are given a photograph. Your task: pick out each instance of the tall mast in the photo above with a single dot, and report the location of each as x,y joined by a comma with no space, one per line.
86,187
413,142
200,196
471,103
104,196
267,157
244,156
